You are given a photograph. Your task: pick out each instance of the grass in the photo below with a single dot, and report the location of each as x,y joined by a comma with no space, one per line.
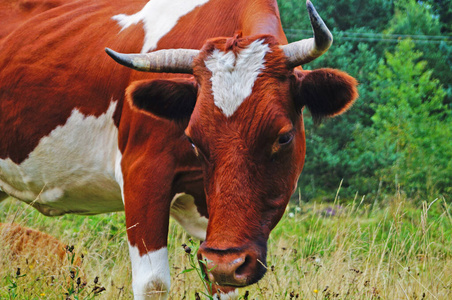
393,250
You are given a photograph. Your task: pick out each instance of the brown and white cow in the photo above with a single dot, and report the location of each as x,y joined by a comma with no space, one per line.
219,150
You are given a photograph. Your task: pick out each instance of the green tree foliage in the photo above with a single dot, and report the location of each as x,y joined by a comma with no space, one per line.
409,144
412,17
328,157
415,18
443,8
362,147
340,14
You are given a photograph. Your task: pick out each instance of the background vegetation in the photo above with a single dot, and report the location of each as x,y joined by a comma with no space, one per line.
398,135
318,251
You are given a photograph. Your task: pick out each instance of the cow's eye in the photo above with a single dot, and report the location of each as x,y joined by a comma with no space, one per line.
285,138
195,149
191,142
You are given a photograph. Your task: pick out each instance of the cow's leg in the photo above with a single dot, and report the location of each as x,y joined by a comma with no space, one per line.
150,273
147,199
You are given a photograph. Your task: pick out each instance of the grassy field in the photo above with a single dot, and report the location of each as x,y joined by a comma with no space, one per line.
391,250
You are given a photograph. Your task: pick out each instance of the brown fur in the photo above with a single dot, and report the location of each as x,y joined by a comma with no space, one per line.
25,244
13,13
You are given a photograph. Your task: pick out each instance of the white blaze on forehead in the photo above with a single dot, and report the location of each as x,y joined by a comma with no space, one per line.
233,76
158,17
150,273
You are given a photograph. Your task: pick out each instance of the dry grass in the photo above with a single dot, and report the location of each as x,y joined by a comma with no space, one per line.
318,251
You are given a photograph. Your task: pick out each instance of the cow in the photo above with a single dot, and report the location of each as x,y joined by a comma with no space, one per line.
211,133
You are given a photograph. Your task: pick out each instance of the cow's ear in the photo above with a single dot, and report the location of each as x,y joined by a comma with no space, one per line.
325,92
170,99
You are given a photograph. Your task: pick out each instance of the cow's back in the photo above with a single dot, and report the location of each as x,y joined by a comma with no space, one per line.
55,62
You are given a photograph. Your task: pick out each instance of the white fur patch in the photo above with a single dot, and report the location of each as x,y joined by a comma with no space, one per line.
150,274
158,17
229,296
233,77
184,211
71,170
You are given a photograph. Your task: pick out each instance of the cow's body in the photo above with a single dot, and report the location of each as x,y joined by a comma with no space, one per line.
54,63
71,143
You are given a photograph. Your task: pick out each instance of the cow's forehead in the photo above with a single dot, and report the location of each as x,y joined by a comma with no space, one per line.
234,66
234,74
245,91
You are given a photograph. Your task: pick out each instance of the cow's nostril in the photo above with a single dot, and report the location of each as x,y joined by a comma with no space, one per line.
245,269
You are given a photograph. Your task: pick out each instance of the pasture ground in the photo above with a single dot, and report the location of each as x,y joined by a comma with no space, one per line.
388,250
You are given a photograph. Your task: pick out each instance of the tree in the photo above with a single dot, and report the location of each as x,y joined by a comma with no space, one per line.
416,18
328,152
375,153
339,14
443,8
409,144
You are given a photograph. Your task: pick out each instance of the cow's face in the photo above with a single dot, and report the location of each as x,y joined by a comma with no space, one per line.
243,110
245,125
248,134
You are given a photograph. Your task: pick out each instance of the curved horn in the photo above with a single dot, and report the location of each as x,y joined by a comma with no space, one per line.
304,51
162,61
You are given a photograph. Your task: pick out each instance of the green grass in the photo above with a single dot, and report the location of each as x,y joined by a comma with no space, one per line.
393,250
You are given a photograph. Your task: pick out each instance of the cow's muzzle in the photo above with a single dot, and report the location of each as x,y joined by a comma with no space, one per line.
234,266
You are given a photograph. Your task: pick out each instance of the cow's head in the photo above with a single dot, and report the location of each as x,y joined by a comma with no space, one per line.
244,112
